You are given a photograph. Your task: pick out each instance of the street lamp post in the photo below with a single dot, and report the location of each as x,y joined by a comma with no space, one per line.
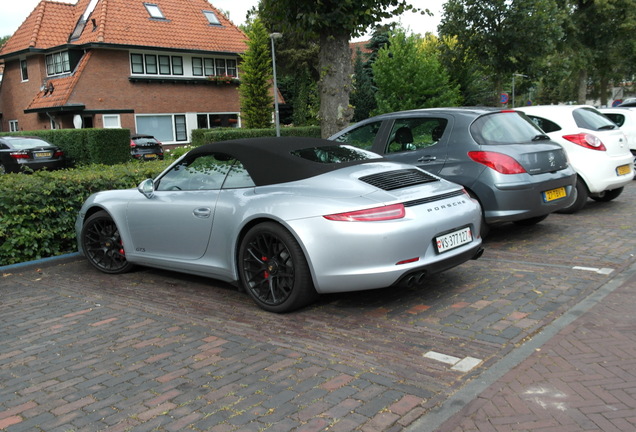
513,86
273,36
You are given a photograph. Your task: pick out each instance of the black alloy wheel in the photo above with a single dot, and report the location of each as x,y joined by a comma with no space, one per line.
102,244
273,269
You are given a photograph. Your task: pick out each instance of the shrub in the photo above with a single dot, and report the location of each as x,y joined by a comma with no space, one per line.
88,146
38,211
204,136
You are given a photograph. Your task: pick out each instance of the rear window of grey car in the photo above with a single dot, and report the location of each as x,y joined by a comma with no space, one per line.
588,118
504,127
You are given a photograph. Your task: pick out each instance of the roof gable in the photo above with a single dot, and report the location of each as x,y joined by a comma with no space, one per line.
127,23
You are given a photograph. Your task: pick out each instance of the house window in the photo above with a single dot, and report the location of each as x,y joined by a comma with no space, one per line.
13,126
181,133
58,63
111,121
177,65
137,63
23,70
164,65
220,67
209,66
210,121
164,127
154,11
151,64
197,66
212,18
231,67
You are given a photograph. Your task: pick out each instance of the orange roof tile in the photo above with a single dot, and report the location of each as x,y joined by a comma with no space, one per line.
128,23
40,32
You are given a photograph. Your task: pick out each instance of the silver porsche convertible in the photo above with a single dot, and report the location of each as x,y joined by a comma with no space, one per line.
285,219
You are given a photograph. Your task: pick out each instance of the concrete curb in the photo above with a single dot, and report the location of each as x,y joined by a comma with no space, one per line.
43,262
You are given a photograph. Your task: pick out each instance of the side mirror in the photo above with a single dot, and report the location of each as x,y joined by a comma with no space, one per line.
147,188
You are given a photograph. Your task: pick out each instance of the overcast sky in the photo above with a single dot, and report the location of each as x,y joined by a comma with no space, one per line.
14,12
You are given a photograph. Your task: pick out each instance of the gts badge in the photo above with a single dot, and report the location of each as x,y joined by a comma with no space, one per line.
140,249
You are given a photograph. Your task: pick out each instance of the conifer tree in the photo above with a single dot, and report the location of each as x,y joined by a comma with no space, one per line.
256,79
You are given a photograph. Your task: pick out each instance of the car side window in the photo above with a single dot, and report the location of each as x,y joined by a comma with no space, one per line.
204,172
361,137
619,119
415,134
238,177
546,125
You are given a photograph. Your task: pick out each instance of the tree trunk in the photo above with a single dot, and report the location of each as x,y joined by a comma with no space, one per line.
582,93
604,85
334,61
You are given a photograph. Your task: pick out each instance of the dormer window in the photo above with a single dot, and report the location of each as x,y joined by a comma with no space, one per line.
154,11
212,18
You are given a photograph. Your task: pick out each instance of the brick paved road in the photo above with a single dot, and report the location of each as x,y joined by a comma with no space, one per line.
153,350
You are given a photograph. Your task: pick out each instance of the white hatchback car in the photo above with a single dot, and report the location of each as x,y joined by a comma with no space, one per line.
626,119
597,149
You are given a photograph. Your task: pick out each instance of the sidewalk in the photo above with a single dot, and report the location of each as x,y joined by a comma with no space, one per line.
579,374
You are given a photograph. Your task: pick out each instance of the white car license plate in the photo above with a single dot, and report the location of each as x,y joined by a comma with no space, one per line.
454,239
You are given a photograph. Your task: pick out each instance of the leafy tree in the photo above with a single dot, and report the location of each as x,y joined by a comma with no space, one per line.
256,78
505,37
409,75
474,83
363,94
332,23
3,40
600,40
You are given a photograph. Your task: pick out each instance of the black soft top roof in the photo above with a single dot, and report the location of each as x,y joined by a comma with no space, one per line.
272,160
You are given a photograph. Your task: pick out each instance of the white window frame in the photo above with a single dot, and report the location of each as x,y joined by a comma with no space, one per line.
176,120
24,70
13,126
58,63
154,11
107,118
181,65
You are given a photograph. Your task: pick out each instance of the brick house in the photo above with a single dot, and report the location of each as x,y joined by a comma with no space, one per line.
152,66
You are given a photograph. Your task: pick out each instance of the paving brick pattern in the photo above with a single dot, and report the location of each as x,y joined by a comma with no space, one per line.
154,350
583,379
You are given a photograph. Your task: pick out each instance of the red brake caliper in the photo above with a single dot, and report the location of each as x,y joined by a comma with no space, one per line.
265,273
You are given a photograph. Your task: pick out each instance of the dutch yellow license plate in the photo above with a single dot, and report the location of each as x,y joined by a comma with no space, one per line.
554,194
622,170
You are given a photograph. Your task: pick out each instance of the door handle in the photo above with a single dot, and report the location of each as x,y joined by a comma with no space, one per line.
427,159
202,212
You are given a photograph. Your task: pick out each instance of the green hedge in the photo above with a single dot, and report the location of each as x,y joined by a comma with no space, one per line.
204,136
38,211
88,146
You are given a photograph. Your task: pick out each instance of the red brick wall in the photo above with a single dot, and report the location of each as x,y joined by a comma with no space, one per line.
104,85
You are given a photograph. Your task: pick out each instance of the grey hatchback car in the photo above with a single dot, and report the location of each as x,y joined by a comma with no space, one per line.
500,157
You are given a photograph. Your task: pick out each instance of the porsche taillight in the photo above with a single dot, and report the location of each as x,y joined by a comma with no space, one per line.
376,214
500,162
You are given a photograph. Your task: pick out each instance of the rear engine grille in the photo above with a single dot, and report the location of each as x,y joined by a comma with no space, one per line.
398,179
433,198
